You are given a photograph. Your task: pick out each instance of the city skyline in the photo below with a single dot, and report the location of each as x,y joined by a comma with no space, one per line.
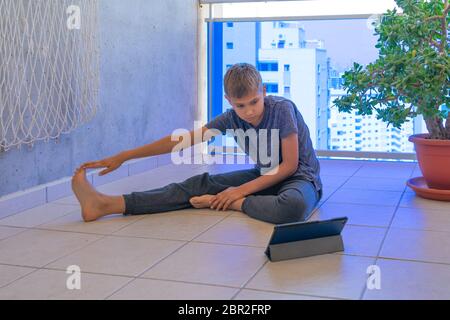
304,62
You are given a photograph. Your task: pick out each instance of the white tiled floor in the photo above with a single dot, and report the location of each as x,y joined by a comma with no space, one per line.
204,254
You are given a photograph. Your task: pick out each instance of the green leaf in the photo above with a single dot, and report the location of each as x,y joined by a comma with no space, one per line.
408,70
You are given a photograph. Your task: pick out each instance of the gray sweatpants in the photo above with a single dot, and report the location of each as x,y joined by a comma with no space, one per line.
291,200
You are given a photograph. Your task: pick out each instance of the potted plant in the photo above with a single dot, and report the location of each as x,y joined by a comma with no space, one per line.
410,77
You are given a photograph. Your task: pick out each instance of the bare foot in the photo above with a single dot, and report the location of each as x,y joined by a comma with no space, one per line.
202,202
91,201
237,205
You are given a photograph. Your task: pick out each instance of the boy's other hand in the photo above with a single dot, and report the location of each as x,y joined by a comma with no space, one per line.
225,198
111,164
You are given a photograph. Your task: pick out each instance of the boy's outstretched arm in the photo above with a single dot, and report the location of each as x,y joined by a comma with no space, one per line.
161,146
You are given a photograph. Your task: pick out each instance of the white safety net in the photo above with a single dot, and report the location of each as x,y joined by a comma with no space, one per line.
49,68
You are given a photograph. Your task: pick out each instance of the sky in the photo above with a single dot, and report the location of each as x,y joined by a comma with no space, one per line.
346,41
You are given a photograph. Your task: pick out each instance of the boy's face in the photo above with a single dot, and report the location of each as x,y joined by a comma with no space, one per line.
251,107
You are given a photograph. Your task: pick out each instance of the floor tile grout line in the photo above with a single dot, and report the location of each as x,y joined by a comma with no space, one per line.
182,246
230,244
210,227
267,261
250,279
49,221
21,212
353,255
37,228
310,216
361,297
419,230
40,226
341,187
146,215
339,254
368,189
15,234
376,258
320,204
386,234
44,267
133,278
64,204
120,288
113,235
389,227
21,277
364,287
174,281
291,293
141,275
95,241
243,287
76,250
445,264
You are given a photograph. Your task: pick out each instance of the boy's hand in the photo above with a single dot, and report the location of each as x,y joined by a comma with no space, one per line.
111,164
225,198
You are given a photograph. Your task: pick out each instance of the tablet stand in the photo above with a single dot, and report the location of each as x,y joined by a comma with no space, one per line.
305,248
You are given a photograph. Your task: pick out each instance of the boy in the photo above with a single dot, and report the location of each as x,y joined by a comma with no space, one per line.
288,193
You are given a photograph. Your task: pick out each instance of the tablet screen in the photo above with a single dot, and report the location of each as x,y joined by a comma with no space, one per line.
307,230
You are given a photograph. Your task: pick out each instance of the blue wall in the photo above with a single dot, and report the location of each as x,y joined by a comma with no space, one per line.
148,88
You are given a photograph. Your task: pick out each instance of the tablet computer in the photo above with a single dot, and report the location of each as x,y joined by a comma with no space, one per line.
298,231
303,239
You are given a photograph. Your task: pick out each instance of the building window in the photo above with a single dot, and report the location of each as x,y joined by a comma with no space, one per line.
268,66
271,87
260,44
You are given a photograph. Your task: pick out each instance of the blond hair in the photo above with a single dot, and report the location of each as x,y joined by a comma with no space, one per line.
242,79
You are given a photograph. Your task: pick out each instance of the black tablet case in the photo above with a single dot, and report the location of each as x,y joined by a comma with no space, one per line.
304,239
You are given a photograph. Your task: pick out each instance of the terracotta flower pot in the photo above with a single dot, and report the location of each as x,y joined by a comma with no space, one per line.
434,160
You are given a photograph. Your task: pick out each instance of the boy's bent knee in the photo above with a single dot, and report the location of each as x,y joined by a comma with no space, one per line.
292,207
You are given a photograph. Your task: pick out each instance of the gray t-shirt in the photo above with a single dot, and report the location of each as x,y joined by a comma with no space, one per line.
281,114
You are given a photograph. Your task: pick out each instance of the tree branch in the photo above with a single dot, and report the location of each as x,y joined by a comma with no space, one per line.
435,128
436,44
444,27
444,13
